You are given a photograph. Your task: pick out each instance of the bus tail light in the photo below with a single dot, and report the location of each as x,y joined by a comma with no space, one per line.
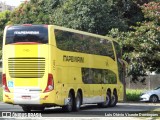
4,83
50,83
46,26
27,24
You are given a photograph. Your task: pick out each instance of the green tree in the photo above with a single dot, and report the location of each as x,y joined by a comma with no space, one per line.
35,12
96,16
4,20
141,46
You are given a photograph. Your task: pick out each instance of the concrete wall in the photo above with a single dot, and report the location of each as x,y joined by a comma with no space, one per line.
151,82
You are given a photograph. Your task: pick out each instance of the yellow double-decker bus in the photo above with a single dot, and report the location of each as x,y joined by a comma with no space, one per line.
48,65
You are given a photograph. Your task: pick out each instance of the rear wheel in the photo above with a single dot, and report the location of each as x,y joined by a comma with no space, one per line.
42,108
69,106
114,99
26,108
153,99
107,101
77,102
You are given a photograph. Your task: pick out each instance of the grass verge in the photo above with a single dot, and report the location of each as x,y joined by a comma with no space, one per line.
1,93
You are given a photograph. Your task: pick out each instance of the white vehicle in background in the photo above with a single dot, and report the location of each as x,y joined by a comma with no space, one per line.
151,96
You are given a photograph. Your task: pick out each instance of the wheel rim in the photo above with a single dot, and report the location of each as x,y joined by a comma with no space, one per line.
154,99
107,100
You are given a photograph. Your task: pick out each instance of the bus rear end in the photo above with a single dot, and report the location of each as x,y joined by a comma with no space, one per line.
26,77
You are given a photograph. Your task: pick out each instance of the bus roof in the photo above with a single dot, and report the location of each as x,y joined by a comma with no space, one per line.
72,30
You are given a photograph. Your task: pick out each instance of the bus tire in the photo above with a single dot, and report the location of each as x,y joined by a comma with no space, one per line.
107,101
26,108
77,102
42,108
114,99
69,106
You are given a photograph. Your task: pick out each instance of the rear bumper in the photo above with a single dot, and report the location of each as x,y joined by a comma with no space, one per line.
29,98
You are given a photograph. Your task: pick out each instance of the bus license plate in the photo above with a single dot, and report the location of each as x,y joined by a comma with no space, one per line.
26,97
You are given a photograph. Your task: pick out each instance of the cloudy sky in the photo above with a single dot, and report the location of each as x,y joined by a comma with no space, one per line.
12,2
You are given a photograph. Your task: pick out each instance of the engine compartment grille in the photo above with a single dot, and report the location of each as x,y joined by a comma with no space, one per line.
26,67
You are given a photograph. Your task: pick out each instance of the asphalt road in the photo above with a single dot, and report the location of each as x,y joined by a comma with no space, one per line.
90,110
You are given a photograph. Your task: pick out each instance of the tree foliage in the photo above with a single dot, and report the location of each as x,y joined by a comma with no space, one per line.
35,12
4,20
96,16
142,45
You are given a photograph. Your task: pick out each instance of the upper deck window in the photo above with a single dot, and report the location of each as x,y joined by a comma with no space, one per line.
75,42
33,33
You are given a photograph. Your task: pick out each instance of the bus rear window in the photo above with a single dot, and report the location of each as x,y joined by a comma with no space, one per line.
34,33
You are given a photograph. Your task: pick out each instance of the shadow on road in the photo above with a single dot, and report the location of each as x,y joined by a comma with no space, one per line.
93,110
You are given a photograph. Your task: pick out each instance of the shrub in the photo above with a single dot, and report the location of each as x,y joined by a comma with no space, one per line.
133,95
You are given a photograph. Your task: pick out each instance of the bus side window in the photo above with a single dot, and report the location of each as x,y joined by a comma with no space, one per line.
76,42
